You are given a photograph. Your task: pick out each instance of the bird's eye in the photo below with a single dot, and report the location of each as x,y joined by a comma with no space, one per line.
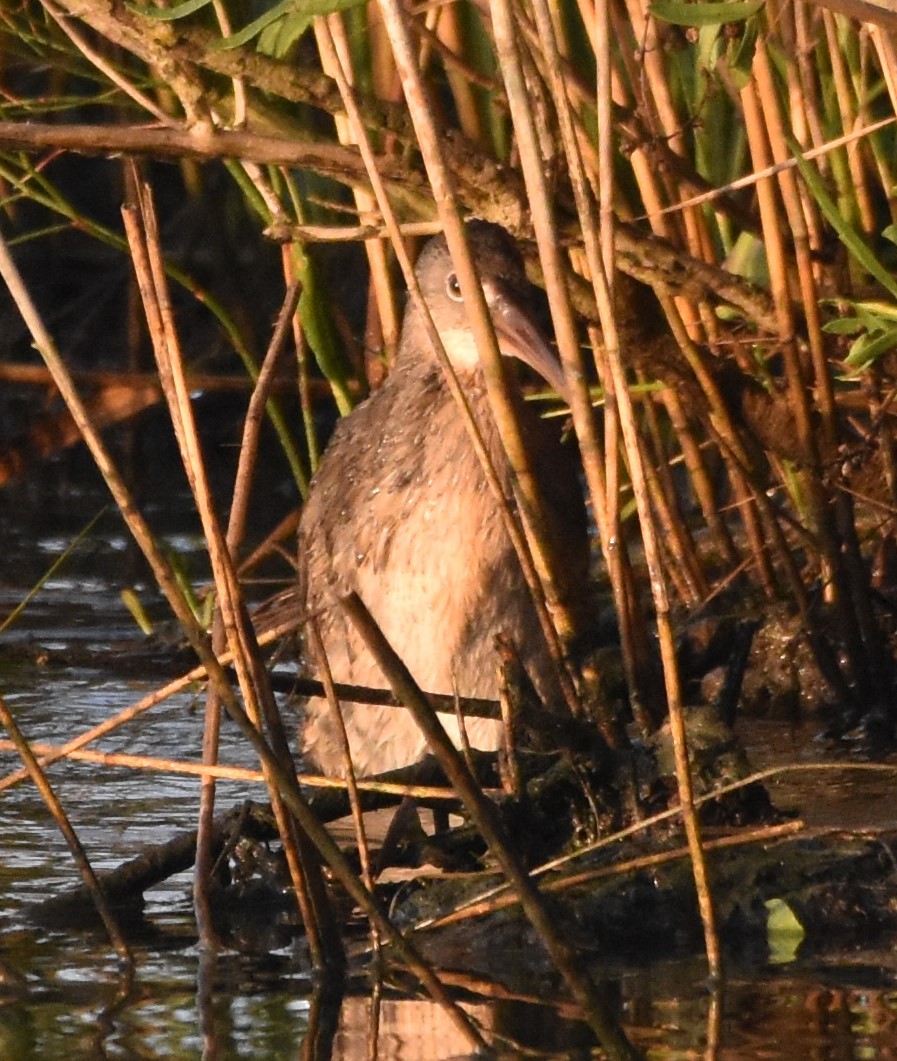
453,287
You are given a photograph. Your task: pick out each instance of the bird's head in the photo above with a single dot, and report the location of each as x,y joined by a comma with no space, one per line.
509,296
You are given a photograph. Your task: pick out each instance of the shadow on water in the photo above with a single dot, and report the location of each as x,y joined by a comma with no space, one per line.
60,995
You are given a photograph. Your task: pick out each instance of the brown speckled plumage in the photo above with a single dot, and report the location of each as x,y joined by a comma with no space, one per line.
400,511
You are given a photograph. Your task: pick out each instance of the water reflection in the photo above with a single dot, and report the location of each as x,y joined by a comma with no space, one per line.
61,993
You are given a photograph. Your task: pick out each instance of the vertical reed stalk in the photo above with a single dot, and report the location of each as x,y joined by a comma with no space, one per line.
252,676
666,638
235,532
602,491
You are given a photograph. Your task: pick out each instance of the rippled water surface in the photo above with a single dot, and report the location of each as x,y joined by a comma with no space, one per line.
61,992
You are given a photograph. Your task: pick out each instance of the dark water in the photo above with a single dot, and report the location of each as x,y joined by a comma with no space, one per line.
61,992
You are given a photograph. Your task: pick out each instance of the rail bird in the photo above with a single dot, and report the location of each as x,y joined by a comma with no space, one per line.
400,511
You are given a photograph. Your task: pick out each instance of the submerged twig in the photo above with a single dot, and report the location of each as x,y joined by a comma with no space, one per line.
495,899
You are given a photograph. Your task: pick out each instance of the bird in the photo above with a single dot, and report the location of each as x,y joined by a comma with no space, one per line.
400,512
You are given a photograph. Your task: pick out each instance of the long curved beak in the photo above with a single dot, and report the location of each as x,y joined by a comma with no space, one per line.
518,336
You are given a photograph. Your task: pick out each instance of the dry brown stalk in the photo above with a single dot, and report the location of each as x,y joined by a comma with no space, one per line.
53,752
320,924
603,491
136,524
699,477
685,569
489,826
781,331
341,163
553,269
603,286
71,837
654,262
50,753
39,376
386,315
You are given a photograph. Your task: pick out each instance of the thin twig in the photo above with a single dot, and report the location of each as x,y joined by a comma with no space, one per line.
71,837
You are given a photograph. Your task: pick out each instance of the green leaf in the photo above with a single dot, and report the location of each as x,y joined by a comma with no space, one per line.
747,258
246,34
711,46
875,309
869,348
49,573
784,932
299,12
871,319
871,311
138,613
317,323
740,54
277,39
170,14
851,239
843,326
682,13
